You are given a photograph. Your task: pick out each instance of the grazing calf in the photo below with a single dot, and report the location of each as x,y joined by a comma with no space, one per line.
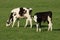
17,13
43,16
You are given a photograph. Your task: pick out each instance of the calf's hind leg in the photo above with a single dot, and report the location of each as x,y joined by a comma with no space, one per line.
14,19
49,24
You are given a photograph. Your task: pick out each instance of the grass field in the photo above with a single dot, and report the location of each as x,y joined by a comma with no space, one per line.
21,33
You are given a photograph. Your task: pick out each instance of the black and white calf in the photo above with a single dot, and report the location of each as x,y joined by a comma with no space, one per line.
17,13
43,16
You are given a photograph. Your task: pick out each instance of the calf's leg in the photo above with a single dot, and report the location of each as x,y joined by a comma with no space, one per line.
49,24
26,23
14,19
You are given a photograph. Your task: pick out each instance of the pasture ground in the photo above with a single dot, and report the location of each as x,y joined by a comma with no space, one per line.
21,33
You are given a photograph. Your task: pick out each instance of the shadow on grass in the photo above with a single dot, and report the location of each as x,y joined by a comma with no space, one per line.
45,28
42,26
56,29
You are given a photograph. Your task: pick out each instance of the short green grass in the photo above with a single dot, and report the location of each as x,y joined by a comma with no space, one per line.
21,33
